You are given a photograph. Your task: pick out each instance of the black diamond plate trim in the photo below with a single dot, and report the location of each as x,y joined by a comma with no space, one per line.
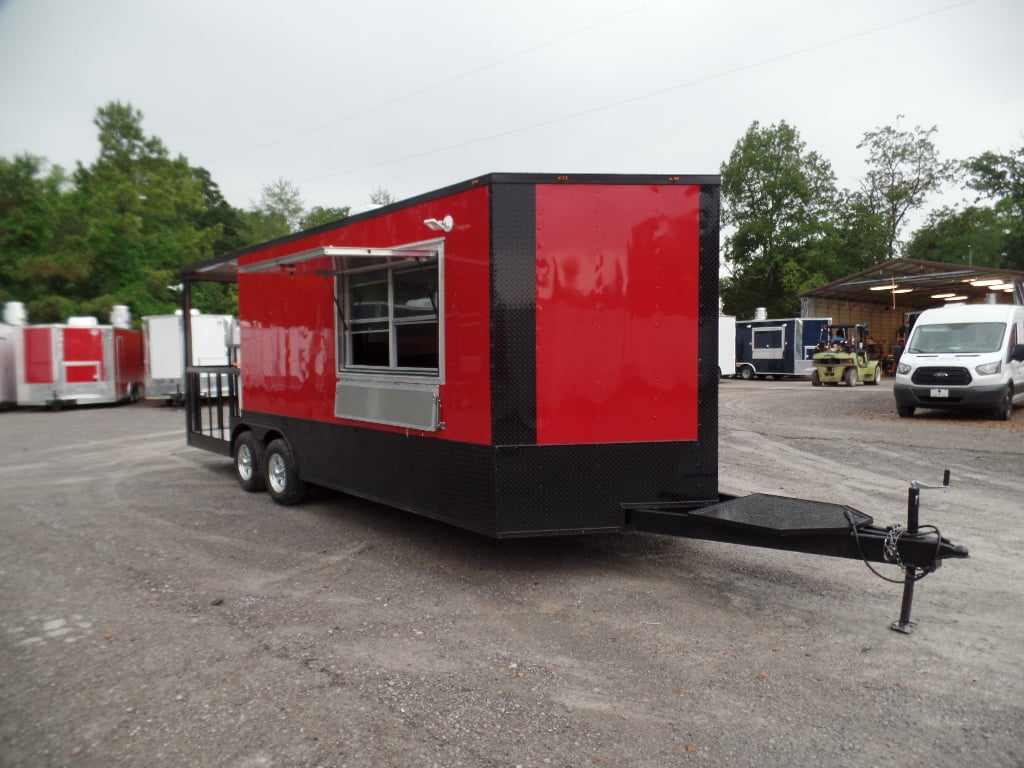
707,386
513,314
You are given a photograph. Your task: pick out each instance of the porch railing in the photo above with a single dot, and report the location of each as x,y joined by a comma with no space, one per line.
212,404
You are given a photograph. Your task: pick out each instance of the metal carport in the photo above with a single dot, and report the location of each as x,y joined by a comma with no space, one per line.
882,295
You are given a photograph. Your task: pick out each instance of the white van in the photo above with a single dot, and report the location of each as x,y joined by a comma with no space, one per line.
963,357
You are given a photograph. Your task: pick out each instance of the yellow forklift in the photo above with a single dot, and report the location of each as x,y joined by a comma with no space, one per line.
843,355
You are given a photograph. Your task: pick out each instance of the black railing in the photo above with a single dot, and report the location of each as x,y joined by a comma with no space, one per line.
212,404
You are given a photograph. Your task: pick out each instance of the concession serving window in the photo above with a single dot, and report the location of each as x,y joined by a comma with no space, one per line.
389,328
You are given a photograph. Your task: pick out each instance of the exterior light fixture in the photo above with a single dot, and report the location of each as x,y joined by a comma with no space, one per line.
957,298
986,282
902,290
880,288
440,225
943,295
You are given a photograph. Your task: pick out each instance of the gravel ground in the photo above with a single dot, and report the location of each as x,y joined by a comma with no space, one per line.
153,614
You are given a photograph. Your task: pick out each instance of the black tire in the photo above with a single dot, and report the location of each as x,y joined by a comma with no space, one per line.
282,478
1004,411
746,372
850,376
815,378
249,463
905,411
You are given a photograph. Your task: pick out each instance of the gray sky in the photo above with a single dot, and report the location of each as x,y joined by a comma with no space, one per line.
342,97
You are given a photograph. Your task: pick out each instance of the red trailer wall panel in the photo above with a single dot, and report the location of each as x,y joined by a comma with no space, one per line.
617,313
128,358
38,351
83,355
288,332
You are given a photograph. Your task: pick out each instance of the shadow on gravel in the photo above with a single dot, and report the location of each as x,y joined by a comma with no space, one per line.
951,418
705,567
442,541
343,517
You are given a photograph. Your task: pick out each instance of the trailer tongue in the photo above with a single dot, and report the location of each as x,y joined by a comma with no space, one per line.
811,527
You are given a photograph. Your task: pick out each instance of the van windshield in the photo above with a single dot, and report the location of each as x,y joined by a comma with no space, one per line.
956,338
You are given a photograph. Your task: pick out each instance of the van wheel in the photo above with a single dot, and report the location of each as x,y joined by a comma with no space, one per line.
249,463
746,372
283,482
905,411
1004,411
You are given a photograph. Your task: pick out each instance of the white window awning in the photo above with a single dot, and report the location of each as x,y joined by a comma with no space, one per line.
341,258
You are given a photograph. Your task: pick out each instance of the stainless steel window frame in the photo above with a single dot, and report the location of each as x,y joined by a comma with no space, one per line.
428,249
768,353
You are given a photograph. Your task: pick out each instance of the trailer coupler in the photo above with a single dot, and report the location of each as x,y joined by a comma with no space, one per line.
812,527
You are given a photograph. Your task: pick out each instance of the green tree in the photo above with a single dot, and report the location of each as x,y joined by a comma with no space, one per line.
36,267
116,231
218,216
972,236
1000,179
138,217
903,169
380,196
277,213
779,207
318,215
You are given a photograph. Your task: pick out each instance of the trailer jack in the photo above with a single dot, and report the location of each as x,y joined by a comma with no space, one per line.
812,527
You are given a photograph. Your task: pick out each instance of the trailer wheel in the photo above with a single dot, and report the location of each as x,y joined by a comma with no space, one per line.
746,372
249,463
815,378
283,482
850,376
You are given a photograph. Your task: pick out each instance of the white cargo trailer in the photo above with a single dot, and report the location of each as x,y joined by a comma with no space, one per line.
13,318
165,352
726,345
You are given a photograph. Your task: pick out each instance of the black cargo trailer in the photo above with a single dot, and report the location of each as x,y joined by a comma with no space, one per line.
777,347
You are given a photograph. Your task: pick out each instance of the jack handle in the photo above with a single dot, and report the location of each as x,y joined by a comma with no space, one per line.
910,575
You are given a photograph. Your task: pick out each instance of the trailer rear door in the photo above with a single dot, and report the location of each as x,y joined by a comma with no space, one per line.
38,355
83,355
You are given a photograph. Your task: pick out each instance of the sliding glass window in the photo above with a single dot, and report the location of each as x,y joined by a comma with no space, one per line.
390,315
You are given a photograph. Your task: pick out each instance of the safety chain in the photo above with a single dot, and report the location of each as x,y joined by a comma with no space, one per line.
890,547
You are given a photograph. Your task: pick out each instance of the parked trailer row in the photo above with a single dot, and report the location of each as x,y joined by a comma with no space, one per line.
517,355
82,362
78,362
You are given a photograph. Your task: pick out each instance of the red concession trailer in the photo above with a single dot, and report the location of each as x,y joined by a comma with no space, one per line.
80,362
517,355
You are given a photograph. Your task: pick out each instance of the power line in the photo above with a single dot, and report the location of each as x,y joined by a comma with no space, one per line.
649,94
426,89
